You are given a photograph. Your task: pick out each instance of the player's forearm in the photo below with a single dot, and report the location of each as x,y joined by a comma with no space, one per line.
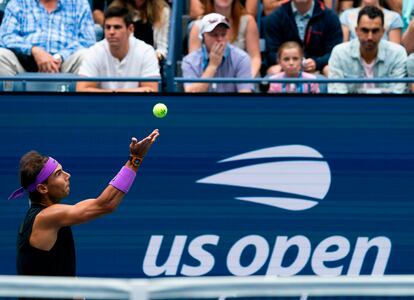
113,194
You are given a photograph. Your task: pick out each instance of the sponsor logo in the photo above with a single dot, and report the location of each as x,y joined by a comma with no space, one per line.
333,256
297,173
298,178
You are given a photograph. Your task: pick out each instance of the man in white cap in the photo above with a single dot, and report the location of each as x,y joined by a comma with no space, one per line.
216,58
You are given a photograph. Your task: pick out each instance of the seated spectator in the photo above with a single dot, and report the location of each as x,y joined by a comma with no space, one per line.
216,58
151,22
27,47
244,33
197,8
120,54
410,69
392,22
307,22
290,57
369,56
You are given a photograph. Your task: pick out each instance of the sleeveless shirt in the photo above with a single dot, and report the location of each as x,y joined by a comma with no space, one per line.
60,260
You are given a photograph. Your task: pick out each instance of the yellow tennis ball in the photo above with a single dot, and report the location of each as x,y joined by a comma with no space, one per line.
160,110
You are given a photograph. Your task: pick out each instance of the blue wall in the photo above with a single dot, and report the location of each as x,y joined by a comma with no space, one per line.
346,194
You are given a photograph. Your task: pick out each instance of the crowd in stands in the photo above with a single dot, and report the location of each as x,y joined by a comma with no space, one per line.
275,39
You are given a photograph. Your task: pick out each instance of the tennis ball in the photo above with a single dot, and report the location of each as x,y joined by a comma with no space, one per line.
160,110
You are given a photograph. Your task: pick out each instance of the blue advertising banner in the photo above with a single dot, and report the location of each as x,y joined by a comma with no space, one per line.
235,185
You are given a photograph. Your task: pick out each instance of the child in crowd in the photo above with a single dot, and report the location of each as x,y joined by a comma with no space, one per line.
290,56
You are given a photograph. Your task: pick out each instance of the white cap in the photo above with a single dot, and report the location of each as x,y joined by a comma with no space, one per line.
209,22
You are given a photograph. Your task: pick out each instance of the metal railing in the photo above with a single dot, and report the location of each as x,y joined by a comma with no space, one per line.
206,287
175,81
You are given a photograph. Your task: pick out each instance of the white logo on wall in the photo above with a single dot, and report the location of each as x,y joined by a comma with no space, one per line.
297,178
304,180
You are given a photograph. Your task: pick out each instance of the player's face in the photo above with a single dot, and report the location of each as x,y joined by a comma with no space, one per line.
290,60
369,32
116,32
58,185
218,35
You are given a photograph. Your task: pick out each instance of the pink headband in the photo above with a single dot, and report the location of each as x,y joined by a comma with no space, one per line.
44,174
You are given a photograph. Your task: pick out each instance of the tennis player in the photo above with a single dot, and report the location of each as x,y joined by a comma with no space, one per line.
45,244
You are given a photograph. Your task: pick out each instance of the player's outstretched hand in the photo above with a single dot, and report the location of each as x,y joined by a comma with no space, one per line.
141,148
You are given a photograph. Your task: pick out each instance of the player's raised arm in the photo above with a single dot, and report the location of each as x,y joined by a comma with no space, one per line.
112,195
47,183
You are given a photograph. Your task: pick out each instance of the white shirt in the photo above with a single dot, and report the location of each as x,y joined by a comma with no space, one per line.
140,61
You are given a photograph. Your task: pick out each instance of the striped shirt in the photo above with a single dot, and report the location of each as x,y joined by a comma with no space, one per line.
65,30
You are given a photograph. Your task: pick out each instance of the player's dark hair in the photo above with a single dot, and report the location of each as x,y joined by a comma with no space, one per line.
121,12
372,12
30,166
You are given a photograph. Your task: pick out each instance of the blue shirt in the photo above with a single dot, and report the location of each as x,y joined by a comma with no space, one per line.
302,20
27,23
235,64
346,62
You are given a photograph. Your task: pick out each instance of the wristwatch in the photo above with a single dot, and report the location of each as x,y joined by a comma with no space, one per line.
57,56
135,160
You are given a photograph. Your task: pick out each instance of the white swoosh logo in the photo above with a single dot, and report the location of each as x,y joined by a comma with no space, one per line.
308,178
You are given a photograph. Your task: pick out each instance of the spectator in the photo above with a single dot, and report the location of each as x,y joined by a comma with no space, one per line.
392,22
244,33
410,69
368,56
151,22
44,36
307,22
197,8
216,58
119,54
290,57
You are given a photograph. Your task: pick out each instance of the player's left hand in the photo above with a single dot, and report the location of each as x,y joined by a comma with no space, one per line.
141,148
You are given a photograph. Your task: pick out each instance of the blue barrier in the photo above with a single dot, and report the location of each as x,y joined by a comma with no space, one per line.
174,46
235,185
44,82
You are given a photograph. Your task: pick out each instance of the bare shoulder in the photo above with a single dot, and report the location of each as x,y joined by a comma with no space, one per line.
55,212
